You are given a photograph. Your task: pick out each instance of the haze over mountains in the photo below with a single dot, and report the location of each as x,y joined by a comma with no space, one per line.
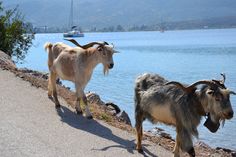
105,13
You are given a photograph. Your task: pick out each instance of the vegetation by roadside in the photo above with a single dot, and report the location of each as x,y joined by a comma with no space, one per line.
15,35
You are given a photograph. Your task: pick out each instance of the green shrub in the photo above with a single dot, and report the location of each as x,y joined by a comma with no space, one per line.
15,35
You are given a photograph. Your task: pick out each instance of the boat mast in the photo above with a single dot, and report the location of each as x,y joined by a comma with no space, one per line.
71,15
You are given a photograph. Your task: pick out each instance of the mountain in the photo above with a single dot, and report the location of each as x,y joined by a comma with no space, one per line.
105,13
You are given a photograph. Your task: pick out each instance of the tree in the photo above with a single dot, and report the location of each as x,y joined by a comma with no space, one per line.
15,35
119,28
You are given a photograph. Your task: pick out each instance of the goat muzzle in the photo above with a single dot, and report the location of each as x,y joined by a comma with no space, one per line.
230,115
111,66
210,125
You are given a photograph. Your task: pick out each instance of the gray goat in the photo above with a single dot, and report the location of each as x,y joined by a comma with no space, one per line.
174,104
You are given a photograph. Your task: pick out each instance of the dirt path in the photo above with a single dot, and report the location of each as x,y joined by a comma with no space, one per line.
31,126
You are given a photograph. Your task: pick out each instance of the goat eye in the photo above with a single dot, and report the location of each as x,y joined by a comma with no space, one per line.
100,49
210,92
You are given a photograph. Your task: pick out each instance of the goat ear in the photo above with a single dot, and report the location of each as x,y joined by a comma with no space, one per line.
210,92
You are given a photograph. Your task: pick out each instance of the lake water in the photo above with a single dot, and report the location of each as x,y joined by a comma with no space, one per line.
185,56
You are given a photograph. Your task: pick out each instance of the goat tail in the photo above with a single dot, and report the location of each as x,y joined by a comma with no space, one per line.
48,49
140,87
48,46
137,96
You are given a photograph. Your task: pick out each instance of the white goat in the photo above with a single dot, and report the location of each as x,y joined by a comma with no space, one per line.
76,64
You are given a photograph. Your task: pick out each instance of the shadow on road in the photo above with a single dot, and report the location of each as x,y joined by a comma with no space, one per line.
93,127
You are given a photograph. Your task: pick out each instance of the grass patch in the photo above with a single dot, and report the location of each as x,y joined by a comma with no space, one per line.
105,117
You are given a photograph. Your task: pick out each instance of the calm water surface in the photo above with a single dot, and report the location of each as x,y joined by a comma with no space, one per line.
185,56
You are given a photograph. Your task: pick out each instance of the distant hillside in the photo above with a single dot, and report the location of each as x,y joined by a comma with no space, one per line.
219,22
105,13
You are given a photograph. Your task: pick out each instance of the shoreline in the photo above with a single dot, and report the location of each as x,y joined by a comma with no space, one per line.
172,30
102,112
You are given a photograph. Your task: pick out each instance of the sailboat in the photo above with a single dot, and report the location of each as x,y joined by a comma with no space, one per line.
74,32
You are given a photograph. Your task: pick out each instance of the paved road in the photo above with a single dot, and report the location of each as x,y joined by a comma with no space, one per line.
30,126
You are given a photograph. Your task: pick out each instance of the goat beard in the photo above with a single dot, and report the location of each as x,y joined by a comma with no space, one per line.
212,126
222,122
105,70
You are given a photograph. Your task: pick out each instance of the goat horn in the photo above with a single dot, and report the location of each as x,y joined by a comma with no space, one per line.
232,92
192,87
105,43
177,84
74,42
224,77
87,45
221,82
93,43
206,82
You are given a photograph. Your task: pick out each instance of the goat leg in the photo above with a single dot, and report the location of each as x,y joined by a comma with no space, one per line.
139,132
78,99
77,106
87,111
57,104
52,88
177,146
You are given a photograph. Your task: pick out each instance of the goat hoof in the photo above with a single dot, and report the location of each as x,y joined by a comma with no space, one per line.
89,117
79,112
57,105
191,152
51,98
140,150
